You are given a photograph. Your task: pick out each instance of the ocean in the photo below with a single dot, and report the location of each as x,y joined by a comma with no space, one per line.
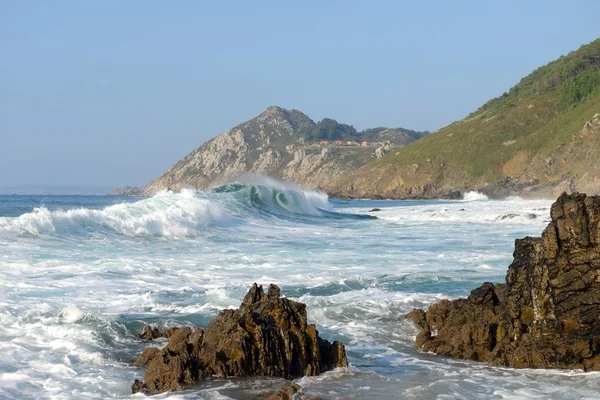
80,275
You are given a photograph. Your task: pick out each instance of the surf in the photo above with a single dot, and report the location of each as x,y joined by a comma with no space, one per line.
186,213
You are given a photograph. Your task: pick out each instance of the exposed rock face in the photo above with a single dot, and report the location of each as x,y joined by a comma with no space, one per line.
279,143
546,315
267,336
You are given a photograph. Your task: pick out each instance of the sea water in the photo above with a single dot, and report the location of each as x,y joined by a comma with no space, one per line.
80,275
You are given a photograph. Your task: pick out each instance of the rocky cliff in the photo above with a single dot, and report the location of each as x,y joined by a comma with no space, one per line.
540,138
284,144
267,336
546,315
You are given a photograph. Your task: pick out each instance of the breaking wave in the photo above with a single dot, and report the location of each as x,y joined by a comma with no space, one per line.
165,214
474,196
181,214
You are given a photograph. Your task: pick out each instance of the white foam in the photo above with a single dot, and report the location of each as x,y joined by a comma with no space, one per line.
474,196
165,214
67,300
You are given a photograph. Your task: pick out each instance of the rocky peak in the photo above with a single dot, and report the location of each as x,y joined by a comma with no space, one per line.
275,115
546,315
284,144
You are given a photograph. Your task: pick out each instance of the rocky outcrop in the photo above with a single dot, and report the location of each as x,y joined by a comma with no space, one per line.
124,191
546,315
267,336
280,143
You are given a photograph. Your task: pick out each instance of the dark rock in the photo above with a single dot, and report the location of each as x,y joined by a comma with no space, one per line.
138,386
506,188
453,195
267,336
546,315
151,333
375,209
507,216
286,392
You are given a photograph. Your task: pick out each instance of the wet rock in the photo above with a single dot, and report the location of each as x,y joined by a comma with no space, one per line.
452,195
546,315
289,391
286,392
375,209
506,188
150,333
507,216
267,336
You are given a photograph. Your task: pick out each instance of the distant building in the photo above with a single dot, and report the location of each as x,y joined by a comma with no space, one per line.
365,144
350,142
324,142
339,142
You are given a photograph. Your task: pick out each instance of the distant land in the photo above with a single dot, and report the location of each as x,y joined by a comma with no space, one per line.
285,144
53,190
538,139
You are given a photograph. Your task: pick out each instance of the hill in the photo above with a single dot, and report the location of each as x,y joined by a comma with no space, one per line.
285,144
538,139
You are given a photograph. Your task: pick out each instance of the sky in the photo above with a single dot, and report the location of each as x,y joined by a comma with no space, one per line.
112,93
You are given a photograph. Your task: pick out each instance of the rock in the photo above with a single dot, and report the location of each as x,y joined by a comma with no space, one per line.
546,315
150,333
507,187
125,191
375,209
452,195
267,336
283,144
286,392
507,216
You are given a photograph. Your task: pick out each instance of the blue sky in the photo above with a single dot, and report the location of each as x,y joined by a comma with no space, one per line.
111,93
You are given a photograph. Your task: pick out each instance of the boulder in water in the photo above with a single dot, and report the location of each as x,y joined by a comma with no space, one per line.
267,336
546,315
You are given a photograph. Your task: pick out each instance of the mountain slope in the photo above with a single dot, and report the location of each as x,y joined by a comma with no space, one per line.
540,138
285,144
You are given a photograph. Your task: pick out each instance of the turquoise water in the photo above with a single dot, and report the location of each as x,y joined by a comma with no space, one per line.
79,276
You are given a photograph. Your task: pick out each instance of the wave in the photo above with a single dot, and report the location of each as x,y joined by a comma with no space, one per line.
284,199
182,214
279,197
165,214
474,196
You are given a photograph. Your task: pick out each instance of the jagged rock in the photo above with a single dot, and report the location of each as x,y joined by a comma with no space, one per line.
546,315
267,336
151,333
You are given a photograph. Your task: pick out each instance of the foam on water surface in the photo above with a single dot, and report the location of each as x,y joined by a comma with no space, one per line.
81,275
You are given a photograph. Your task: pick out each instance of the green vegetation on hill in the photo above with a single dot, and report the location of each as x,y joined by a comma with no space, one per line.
576,75
530,134
330,129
